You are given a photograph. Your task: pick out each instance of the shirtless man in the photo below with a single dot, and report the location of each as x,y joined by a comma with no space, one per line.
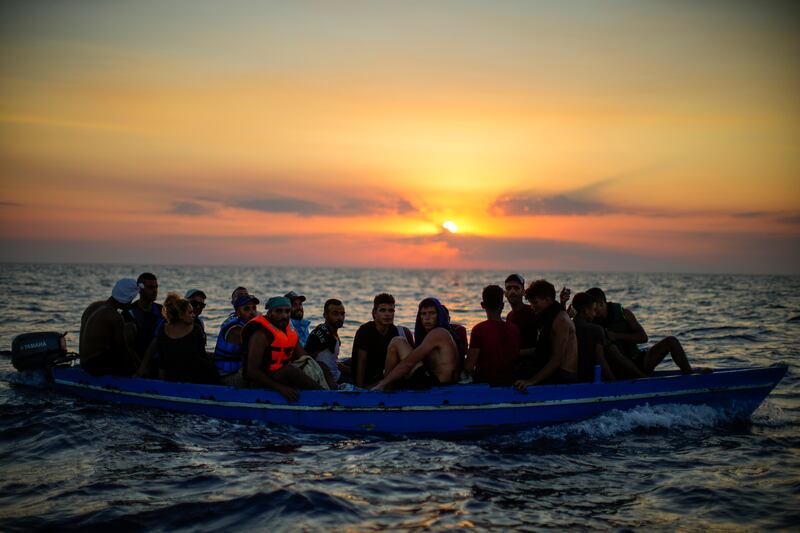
436,352
626,333
106,341
556,338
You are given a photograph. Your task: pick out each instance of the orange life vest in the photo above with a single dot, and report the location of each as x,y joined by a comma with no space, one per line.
283,343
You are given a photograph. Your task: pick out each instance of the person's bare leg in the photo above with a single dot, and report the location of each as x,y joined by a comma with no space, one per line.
398,349
619,361
659,350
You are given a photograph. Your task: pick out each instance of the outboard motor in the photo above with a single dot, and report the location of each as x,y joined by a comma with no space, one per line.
32,351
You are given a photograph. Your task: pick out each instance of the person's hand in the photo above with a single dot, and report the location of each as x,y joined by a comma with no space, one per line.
564,295
289,393
610,335
378,386
522,384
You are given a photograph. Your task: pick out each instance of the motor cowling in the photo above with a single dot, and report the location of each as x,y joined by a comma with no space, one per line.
31,351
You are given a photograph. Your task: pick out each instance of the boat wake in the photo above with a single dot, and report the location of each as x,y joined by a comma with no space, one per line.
645,417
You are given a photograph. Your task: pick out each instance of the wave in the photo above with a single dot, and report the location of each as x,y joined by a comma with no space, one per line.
645,417
276,510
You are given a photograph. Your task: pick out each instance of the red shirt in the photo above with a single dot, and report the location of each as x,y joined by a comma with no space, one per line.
499,344
525,320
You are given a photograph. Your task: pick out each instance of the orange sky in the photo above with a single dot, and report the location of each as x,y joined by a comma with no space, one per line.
556,136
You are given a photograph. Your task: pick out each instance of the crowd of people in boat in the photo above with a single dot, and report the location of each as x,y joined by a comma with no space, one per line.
545,341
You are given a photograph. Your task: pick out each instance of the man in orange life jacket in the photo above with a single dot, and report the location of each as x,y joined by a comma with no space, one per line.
272,344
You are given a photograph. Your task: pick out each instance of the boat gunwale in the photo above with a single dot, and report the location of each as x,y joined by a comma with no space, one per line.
440,394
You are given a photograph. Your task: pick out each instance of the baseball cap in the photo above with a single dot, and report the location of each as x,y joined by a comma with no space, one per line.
192,292
294,296
244,300
278,301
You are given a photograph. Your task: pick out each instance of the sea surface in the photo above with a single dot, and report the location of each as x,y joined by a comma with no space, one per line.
68,464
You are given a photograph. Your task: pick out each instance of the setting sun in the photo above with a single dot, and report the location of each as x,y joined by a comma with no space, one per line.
450,226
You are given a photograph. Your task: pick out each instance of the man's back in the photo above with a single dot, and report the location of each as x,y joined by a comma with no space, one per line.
499,345
589,335
94,306
102,332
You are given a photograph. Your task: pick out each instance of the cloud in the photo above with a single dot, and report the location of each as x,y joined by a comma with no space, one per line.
344,207
577,202
750,214
10,204
191,208
790,219
533,204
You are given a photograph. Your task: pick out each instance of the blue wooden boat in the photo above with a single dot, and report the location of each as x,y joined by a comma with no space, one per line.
457,410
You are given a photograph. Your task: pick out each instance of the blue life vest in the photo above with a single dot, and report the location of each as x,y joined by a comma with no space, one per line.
229,356
302,326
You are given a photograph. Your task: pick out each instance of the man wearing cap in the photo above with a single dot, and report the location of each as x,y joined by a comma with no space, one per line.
272,344
197,298
230,352
106,342
301,326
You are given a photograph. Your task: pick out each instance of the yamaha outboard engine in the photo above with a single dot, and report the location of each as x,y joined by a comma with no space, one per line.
31,351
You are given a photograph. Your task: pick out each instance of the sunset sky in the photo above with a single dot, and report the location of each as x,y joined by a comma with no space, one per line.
602,135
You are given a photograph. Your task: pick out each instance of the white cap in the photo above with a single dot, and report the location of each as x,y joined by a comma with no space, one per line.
125,290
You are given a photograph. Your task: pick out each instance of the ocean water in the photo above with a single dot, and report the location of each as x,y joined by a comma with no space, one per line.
73,464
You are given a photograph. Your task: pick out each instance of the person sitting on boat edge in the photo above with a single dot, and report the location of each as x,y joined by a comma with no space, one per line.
556,338
197,298
625,331
272,344
301,325
181,345
495,345
372,341
230,351
324,343
592,340
106,339
435,360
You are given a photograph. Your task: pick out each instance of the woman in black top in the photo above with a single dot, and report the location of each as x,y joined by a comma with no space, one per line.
181,345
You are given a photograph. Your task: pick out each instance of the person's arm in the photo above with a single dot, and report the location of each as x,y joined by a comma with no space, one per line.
417,355
600,359
561,331
472,360
527,352
120,342
361,366
298,352
145,369
637,336
563,296
260,341
409,336
234,335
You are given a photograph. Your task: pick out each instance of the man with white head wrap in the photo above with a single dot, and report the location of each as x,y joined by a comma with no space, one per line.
106,340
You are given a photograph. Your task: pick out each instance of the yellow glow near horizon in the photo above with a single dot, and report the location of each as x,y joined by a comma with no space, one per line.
450,226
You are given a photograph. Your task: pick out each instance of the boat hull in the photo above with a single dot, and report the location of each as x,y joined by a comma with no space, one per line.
445,411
